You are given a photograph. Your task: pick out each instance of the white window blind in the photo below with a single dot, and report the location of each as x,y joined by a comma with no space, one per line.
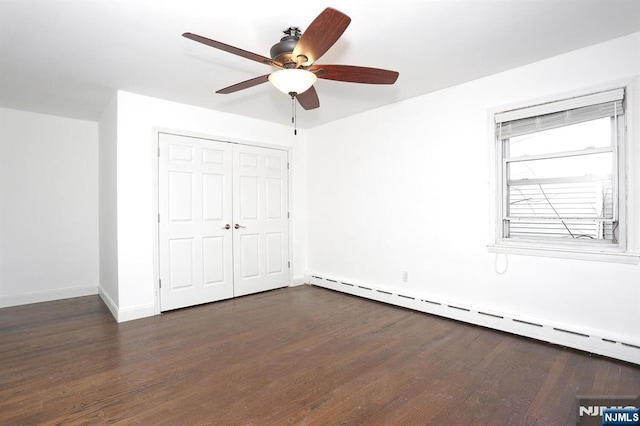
523,126
559,106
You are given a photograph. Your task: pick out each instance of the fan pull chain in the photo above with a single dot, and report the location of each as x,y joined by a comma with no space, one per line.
294,115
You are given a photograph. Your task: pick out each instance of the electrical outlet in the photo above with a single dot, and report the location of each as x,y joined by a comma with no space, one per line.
405,276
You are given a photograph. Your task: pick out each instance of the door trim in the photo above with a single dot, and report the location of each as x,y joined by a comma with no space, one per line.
155,145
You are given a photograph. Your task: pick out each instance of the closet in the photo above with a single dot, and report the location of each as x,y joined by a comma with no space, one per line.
223,222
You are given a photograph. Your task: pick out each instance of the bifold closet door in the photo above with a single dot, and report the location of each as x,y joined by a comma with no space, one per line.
195,205
223,225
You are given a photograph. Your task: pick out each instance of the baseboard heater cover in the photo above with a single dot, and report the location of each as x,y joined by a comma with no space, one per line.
558,334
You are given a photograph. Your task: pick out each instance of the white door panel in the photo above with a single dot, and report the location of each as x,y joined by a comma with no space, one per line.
261,249
195,204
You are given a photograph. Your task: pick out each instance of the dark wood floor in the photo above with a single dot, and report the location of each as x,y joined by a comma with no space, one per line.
302,355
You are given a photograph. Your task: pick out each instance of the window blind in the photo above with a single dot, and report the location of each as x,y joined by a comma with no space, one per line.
558,106
558,114
540,123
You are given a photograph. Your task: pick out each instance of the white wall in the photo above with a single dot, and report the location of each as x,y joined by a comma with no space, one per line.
137,117
108,211
405,187
48,207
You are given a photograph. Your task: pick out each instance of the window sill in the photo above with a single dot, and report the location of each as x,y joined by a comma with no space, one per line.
576,253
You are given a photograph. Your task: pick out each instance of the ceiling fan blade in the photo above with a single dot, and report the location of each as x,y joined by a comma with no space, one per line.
309,99
233,50
354,74
245,84
321,34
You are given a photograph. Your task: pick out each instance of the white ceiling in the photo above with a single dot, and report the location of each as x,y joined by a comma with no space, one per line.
67,57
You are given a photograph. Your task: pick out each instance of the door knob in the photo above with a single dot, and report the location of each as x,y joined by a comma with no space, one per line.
227,226
238,226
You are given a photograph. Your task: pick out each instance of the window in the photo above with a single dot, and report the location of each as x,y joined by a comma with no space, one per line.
561,175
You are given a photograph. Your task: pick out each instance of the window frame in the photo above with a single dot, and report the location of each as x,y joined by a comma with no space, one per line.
624,179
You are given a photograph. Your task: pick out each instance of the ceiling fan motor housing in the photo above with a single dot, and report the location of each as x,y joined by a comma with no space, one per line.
281,51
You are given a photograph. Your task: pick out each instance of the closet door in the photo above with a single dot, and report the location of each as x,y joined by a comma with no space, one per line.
223,223
261,229
195,234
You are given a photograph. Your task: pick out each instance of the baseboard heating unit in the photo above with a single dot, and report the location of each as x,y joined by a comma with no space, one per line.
560,334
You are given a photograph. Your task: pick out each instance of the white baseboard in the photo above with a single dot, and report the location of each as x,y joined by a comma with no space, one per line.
108,301
125,314
47,296
298,281
625,348
136,312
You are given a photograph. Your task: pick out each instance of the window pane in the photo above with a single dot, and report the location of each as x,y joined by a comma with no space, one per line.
595,133
582,165
562,210
566,200
563,230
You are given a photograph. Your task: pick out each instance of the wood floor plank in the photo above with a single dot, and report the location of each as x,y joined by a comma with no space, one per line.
302,355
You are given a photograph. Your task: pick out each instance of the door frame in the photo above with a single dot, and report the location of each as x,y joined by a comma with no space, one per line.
156,131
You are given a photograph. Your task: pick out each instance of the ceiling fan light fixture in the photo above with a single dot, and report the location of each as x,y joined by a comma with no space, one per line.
291,80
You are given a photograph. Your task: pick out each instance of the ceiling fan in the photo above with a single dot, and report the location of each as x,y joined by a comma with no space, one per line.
295,56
